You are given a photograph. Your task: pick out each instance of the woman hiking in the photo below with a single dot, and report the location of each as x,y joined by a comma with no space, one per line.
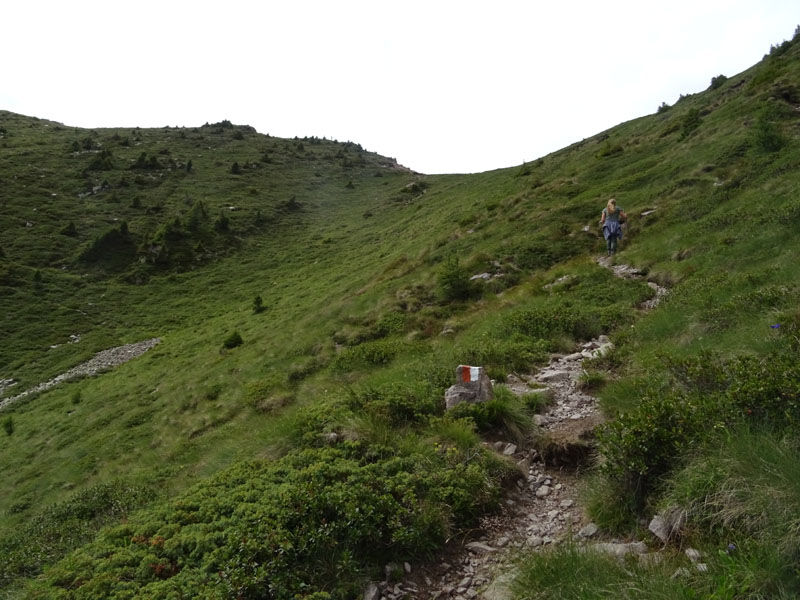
612,219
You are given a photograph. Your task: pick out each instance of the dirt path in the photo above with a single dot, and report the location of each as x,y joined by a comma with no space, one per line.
542,508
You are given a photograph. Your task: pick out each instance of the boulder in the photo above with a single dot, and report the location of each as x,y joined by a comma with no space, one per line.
473,386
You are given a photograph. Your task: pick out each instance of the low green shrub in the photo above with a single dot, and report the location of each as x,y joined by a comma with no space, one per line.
305,526
400,403
711,395
538,401
506,414
47,536
591,381
367,355
232,341
505,354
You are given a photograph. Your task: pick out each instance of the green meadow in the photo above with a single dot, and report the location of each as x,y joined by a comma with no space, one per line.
287,437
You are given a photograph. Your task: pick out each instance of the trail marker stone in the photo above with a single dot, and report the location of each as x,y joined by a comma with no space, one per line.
473,386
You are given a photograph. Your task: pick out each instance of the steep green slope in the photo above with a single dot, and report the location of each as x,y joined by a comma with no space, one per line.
318,449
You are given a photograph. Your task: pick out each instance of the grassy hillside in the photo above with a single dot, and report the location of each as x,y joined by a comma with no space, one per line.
297,463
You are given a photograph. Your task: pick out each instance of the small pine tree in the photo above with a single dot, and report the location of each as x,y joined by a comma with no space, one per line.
189,166
8,425
222,223
69,229
454,282
717,81
236,169
258,305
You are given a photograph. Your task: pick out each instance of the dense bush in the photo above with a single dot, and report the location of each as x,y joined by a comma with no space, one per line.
49,535
710,396
549,320
400,403
102,161
308,524
366,355
716,82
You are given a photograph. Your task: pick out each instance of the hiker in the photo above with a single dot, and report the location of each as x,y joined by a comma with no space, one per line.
612,219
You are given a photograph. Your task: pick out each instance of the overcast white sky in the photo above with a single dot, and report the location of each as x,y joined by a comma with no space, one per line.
443,86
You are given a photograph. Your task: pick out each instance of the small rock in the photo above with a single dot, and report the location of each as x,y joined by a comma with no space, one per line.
681,572
502,542
479,548
407,567
535,541
572,357
543,491
604,349
667,525
650,560
692,554
566,503
620,550
371,592
510,449
554,376
702,567
540,420
465,583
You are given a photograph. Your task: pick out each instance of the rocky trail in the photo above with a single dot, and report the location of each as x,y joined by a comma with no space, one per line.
102,361
543,507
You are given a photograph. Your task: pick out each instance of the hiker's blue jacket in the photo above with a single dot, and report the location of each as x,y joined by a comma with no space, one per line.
612,228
